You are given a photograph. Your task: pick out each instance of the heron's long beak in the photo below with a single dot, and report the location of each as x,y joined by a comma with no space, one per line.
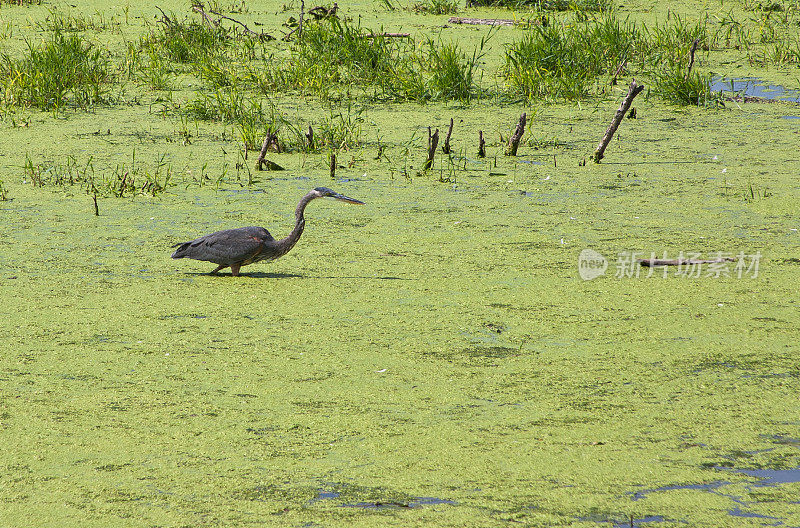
347,199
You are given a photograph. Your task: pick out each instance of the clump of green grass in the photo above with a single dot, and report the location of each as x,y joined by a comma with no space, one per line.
185,42
436,7
21,2
64,69
674,85
57,20
450,71
551,61
121,181
3,192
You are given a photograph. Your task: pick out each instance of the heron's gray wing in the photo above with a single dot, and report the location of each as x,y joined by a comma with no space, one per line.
226,247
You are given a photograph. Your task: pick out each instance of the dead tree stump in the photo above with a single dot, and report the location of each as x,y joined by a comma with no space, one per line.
633,91
433,142
333,165
446,146
513,142
481,145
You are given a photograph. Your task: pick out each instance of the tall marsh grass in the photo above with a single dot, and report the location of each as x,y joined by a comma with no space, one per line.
64,70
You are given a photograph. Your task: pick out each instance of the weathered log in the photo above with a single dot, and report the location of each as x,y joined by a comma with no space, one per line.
633,91
388,35
483,21
446,146
682,262
433,142
513,142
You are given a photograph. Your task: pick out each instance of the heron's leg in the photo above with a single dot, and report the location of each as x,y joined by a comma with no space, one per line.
235,269
218,268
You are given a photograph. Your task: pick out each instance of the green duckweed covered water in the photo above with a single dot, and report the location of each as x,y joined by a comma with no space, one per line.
432,358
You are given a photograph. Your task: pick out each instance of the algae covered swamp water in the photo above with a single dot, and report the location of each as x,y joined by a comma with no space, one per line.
431,358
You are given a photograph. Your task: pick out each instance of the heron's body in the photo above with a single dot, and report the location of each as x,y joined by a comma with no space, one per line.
235,248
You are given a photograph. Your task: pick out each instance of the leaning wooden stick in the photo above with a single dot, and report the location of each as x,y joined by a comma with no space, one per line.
691,58
433,142
310,138
513,142
633,91
446,146
682,262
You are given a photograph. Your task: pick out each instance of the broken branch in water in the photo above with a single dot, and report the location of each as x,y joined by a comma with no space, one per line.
633,91
513,142
270,140
433,142
446,146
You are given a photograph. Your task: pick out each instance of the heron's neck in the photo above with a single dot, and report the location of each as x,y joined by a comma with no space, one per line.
288,243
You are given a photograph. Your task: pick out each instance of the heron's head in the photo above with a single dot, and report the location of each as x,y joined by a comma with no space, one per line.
324,192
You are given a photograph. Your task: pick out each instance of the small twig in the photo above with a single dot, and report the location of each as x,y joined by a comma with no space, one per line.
164,18
481,145
433,142
300,23
513,142
198,8
691,58
247,30
310,138
446,146
619,71
96,209
633,91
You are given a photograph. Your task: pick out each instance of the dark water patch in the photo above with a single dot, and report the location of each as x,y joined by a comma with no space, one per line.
772,477
784,440
709,486
754,87
738,512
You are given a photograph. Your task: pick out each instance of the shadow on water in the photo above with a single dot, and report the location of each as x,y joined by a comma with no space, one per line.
754,87
252,275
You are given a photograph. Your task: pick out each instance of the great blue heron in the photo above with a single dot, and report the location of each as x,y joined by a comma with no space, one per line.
245,245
